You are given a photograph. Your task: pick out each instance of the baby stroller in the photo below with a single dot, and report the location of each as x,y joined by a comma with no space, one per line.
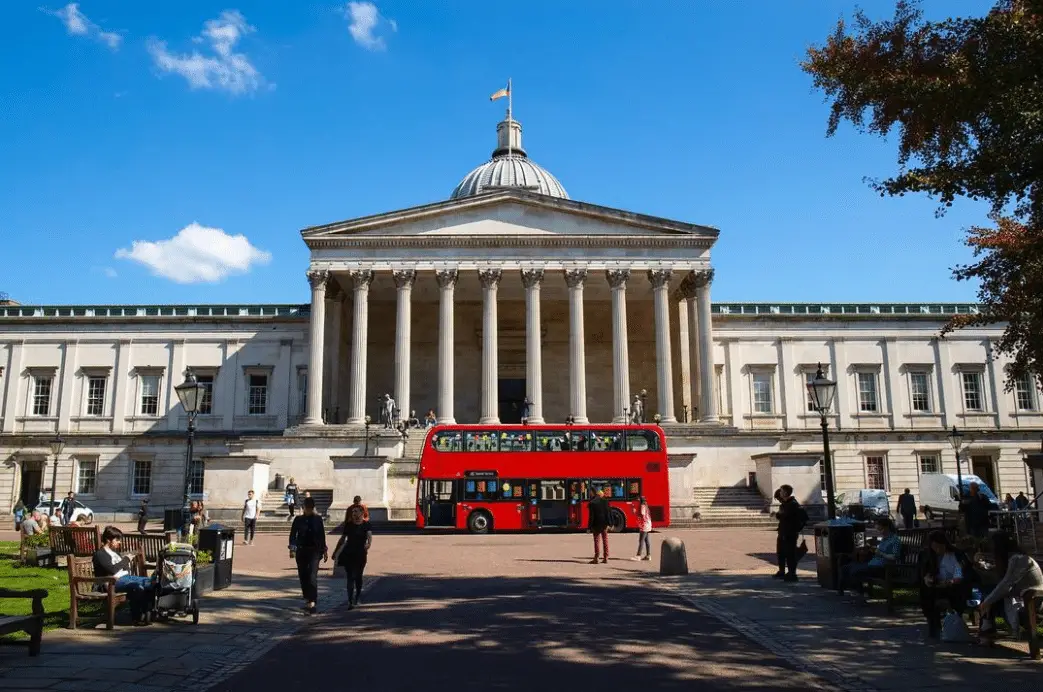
175,587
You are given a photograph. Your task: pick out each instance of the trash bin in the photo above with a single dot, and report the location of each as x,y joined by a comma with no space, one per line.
219,540
834,540
279,481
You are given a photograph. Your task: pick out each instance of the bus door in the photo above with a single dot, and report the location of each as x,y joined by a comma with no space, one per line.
577,498
553,504
438,503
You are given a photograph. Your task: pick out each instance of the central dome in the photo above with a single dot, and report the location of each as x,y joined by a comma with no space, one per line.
509,168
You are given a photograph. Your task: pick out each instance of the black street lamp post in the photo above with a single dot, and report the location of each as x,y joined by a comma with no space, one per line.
956,440
57,446
190,393
822,391
367,421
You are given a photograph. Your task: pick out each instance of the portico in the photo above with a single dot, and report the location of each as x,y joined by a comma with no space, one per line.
444,306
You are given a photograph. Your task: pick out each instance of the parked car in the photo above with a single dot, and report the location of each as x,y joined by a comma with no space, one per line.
81,515
939,492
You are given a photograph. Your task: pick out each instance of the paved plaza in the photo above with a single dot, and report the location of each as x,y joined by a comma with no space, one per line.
503,612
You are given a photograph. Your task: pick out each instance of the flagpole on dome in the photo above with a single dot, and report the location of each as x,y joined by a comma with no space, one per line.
510,114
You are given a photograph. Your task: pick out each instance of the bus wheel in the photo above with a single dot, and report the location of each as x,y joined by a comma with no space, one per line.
479,522
617,522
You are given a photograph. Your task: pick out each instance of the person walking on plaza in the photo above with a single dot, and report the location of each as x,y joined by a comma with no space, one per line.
792,519
356,503
907,508
352,551
307,547
142,516
599,513
68,508
644,527
251,510
291,498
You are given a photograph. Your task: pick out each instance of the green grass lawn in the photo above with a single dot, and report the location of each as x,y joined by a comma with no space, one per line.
14,575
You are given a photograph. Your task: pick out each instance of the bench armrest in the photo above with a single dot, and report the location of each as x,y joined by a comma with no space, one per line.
32,593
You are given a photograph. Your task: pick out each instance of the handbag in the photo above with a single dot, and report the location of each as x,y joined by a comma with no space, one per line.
954,629
802,549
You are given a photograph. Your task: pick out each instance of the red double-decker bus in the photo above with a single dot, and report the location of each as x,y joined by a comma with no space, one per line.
515,477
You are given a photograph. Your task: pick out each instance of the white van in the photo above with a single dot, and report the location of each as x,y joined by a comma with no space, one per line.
939,492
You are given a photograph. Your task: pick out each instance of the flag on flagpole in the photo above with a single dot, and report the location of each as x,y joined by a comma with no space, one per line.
506,91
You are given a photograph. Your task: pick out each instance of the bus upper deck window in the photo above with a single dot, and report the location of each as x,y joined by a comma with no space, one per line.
643,441
516,441
480,441
447,442
605,441
553,441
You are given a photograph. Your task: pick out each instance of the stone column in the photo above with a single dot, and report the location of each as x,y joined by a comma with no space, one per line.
696,379
707,370
446,369
574,279
490,280
318,280
531,279
617,281
360,281
403,338
335,308
660,280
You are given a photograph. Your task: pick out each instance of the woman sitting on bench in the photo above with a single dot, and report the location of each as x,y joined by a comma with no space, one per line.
945,577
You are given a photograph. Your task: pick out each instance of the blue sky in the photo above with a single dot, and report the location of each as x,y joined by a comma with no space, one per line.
295,114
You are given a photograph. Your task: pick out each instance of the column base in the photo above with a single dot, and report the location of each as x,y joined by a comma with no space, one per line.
536,421
620,420
312,421
670,419
710,419
445,421
581,420
489,420
355,420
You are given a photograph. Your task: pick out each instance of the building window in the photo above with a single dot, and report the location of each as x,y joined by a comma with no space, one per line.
973,400
195,477
762,400
96,395
86,476
868,402
149,395
302,391
206,403
876,478
257,404
42,394
929,463
1025,393
141,483
920,388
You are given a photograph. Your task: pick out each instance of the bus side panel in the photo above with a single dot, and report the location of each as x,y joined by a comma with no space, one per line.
507,516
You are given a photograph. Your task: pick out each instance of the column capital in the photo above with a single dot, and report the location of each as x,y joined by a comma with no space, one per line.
617,278
318,278
702,279
446,278
659,277
404,278
574,278
361,279
334,293
686,291
490,278
531,278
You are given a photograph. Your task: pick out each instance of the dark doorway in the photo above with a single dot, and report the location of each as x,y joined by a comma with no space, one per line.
32,482
983,468
512,400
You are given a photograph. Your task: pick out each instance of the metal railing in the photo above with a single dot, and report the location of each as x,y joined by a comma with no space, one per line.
1023,524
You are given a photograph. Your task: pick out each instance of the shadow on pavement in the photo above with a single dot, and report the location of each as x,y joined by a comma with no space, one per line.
502,633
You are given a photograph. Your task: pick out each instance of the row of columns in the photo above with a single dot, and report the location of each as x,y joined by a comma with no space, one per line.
695,290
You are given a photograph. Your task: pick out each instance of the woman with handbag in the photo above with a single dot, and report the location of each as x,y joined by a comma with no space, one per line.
307,547
945,578
352,552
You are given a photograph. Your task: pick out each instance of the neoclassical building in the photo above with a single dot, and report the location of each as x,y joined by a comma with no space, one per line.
507,301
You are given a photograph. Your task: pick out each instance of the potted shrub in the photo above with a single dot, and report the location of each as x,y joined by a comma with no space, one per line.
204,572
38,550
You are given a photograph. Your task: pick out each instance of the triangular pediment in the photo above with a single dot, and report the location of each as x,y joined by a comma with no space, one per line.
507,213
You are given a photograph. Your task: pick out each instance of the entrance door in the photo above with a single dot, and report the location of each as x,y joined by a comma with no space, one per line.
983,468
32,482
512,400
553,505
438,503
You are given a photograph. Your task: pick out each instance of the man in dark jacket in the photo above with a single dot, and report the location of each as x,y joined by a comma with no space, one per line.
599,512
907,508
792,519
68,508
976,508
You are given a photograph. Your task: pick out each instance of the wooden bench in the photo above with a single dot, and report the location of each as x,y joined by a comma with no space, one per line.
84,586
148,545
78,541
30,624
1032,600
905,571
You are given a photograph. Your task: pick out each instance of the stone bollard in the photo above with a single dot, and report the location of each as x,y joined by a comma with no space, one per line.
673,560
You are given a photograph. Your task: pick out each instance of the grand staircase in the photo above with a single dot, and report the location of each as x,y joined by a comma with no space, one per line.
727,507
275,514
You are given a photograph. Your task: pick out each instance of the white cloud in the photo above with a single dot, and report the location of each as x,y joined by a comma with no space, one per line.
365,19
77,24
107,272
219,67
197,254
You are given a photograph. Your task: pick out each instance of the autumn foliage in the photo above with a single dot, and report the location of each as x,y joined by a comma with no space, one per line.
965,98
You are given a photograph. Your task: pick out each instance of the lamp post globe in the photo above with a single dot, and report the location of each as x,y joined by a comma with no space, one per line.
190,393
57,447
822,391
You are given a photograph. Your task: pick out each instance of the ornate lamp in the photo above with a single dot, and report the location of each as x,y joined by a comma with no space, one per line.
57,447
822,391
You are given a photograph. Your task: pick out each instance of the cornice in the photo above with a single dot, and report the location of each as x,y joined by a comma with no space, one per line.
500,242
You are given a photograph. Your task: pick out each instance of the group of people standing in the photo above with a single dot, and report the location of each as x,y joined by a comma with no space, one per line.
600,519
308,548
